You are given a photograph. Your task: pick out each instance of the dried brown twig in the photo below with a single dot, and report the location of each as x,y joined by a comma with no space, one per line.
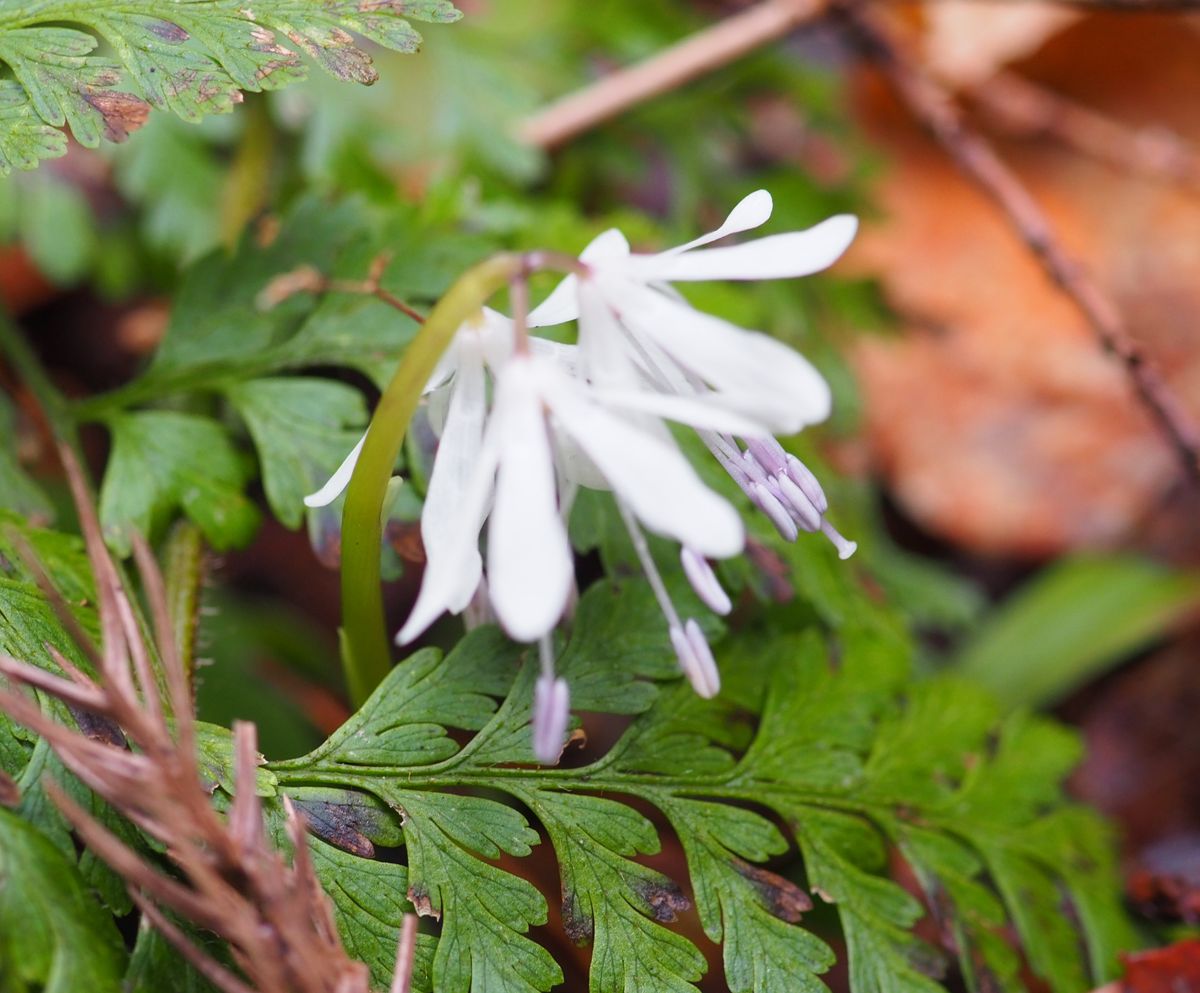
307,279
696,56
1027,110
274,915
934,108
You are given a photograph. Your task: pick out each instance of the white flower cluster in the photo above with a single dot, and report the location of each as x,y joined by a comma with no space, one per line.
558,417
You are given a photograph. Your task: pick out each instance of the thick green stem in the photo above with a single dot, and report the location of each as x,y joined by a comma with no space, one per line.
366,655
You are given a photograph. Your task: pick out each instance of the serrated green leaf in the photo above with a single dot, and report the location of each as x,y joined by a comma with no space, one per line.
856,763
301,429
193,57
161,461
369,905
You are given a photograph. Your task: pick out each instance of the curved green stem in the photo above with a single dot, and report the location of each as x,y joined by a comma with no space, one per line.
366,654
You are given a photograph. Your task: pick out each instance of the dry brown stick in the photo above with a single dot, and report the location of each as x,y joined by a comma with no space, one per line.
1031,111
703,52
406,950
933,107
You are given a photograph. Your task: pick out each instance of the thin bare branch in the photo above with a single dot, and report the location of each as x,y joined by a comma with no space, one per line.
245,817
696,56
113,661
1030,111
406,950
307,279
933,107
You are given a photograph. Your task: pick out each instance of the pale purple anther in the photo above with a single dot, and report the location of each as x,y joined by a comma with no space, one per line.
551,710
768,453
704,581
775,511
803,512
803,477
696,658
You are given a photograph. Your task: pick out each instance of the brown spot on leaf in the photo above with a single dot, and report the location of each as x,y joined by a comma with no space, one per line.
98,728
783,898
123,113
665,900
337,823
10,792
576,923
168,31
418,896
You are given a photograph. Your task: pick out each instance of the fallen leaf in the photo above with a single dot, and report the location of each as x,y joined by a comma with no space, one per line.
995,417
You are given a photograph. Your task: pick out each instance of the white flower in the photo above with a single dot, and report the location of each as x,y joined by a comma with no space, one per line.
530,570
634,329
683,349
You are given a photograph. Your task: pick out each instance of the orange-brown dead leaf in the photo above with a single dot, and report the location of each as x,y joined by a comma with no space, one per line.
995,417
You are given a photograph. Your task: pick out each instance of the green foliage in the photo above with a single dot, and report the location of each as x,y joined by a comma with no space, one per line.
18,492
853,767
192,57
1073,622
53,937
163,460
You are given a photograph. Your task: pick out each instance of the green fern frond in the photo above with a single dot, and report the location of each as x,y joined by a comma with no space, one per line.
192,57
846,764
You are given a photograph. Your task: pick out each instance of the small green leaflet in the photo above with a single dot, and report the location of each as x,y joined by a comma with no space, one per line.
192,57
853,761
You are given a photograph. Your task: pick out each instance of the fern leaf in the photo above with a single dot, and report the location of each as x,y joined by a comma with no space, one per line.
192,57
858,767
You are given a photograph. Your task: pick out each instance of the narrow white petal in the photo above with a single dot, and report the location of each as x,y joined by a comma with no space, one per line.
751,212
780,256
650,473
562,305
454,464
530,568
757,375
457,564
338,481
606,353
704,410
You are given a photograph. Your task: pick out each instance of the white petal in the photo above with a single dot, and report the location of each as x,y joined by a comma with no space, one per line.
650,473
780,256
530,568
606,353
701,410
453,466
562,304
751,212
338,481
443,583
757,375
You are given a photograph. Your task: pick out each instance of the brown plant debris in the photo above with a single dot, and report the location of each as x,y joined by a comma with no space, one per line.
274,915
